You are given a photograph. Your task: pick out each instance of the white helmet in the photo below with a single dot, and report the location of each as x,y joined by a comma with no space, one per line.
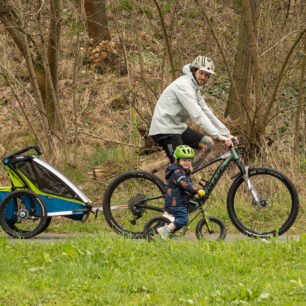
204,63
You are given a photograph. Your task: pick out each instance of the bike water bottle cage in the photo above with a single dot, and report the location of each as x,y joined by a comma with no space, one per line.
183,151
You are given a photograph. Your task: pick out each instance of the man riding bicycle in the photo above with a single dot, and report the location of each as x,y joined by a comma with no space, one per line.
179,101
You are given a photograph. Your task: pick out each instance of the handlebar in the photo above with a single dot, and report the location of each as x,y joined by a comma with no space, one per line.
36,148
234,141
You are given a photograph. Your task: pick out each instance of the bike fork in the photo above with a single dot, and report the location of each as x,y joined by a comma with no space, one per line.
251,186
205,216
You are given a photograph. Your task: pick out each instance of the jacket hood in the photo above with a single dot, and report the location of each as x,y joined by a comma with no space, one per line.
186,71
174,167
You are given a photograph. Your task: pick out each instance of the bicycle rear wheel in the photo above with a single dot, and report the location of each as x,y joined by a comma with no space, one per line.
23,214
277,208
217,230
131,200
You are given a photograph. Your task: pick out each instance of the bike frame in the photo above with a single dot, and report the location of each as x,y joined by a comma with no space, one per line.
226,159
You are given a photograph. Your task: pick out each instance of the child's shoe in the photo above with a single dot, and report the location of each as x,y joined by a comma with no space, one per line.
164,232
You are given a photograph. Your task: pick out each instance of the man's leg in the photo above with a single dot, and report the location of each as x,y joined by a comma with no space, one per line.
169,142
197,140
205,145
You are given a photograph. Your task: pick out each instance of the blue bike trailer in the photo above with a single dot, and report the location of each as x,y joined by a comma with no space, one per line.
60,195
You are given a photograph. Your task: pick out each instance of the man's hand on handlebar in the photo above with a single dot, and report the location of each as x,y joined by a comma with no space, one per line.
234,139
228,141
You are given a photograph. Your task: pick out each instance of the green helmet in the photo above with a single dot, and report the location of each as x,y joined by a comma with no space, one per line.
183,151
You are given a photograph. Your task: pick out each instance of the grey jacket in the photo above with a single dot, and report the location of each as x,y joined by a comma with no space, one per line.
179,101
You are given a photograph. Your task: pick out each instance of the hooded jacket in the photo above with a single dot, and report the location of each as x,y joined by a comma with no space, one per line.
182,100
179,188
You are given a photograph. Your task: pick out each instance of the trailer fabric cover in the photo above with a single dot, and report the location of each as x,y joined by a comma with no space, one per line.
45,180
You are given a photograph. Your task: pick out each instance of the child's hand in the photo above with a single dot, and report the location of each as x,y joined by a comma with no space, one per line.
200,194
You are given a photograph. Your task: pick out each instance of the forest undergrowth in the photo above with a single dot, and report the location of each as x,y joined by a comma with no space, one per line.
111,111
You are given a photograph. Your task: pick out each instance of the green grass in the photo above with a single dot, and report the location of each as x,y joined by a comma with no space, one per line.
110,270
102,155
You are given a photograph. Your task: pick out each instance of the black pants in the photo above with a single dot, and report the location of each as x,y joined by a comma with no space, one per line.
170,141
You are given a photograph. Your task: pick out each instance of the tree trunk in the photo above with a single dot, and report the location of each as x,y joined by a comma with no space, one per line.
242,70
33,56
53,51
299,102
167,41
12,24
97,20
258,122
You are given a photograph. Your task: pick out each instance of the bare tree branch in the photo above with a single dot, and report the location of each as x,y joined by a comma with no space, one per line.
299,102
108,140
166,39
229,71
23,111
138,112
285,109
255,56
280,75
278,42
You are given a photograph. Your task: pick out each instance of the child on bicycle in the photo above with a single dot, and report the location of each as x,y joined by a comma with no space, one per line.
179,189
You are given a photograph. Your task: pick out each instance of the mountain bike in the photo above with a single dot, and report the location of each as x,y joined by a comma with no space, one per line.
261,202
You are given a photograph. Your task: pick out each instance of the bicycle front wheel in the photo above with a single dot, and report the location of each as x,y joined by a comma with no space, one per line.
276,209
214,230
131,200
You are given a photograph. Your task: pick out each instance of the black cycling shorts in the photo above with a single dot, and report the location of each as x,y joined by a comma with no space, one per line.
169,142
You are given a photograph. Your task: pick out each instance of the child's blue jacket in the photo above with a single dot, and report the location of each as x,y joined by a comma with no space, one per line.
179,186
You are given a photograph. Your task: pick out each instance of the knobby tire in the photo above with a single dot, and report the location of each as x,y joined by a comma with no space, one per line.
126,189
279,198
